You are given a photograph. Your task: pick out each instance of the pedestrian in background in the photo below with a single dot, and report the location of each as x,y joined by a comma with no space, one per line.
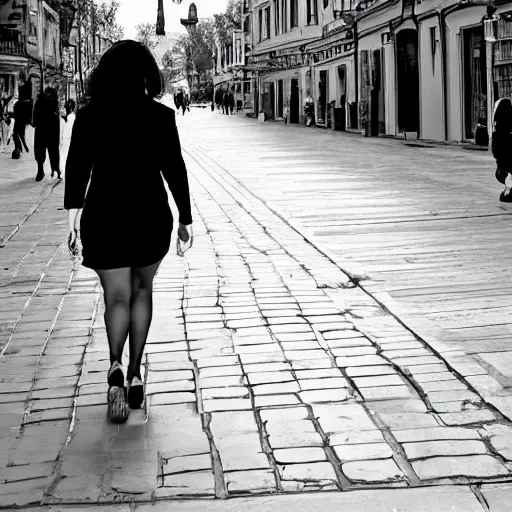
22,114
225,102
47,135
502,146
126,223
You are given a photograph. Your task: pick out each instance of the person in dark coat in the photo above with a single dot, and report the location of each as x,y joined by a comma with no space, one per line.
502,146
22,114
47,132
226,102
118,203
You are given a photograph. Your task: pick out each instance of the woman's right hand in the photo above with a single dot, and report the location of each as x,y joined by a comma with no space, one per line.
183,233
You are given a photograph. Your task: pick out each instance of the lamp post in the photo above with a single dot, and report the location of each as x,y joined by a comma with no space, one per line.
160,17
190,24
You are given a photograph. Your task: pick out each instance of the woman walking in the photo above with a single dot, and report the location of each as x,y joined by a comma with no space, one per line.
502,146
126,223
22,114
47,132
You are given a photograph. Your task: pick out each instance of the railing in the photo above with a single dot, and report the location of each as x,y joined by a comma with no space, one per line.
12,42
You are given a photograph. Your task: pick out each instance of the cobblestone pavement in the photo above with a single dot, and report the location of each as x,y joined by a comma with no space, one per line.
268,371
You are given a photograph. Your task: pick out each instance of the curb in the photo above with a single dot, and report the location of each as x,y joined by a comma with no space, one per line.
42,198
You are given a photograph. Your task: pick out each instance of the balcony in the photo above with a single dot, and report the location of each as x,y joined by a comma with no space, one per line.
12,42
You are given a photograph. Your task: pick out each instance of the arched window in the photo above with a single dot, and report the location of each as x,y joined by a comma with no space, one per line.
326,4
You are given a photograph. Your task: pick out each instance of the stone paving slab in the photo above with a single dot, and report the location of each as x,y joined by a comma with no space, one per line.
255,404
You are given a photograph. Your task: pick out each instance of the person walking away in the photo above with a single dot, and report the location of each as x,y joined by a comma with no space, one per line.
22,113
502,146
118,204
47,133
226,102
231,102
184,103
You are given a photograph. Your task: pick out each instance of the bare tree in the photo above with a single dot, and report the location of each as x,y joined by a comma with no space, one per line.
146,35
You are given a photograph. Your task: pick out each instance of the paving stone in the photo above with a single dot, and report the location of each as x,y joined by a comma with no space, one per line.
467,417
259,481
470,466
227,404
308,472
326,383
297,455
427,368
497,496
381,380
172,398
292,434
297,355
169,387
220,371
221,382
452,396
314,364
386,392
363,371
444,385
406,421
345,417
355,437
189,463
275,400
243,456
356,361
284,414
325,395
270,377
187,484
435,434
317,374
434,377
276,389
209,362
165,376
443,448
372,470
363,452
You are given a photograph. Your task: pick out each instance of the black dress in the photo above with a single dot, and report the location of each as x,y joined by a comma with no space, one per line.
114,171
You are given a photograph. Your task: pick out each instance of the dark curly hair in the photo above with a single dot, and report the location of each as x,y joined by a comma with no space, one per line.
126,70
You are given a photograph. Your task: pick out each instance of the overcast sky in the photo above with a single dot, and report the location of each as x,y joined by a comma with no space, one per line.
133,12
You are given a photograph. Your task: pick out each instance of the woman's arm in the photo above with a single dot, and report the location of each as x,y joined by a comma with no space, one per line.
78,165
175,172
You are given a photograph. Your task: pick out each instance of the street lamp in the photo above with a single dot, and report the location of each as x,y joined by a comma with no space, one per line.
192,20
160,18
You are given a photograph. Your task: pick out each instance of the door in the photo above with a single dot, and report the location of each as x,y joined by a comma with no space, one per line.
408,80
272,98
342,95
375,94
322,98
294,101
475,79
280,94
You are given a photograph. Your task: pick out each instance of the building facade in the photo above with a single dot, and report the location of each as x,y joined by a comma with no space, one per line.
411,68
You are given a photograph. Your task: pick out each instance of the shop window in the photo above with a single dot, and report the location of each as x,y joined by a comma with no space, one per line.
312,11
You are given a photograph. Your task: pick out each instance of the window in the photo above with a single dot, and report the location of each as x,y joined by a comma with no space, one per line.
312,11
294,13
264,23
326,4
276,17
260,24
284,16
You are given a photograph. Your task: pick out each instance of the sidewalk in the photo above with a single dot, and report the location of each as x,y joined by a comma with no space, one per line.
268,371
